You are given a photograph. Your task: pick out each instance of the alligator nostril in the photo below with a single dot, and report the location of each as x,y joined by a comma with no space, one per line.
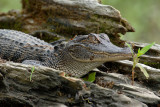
91,58
56,48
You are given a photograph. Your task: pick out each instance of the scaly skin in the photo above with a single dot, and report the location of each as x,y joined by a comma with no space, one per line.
77,57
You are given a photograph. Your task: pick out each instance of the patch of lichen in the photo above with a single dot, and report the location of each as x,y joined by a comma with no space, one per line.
31,5
64,27
50,39
50,16
109,26
67,31
16,25
56,12
154,64
47,9
46,36
51,13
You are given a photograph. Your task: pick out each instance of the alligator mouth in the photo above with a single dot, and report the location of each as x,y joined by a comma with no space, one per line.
113,57
106,56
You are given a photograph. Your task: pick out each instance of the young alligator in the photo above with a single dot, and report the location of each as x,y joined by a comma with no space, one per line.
77,57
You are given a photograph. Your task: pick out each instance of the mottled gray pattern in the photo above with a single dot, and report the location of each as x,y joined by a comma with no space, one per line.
18,46
77,57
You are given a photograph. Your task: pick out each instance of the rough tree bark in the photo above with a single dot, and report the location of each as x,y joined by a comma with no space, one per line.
54,19
67,18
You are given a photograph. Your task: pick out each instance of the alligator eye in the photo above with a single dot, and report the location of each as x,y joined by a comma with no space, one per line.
93,39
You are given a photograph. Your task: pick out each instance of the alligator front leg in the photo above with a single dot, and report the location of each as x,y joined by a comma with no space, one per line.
32,62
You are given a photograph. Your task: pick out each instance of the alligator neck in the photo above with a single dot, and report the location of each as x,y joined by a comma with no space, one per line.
66,63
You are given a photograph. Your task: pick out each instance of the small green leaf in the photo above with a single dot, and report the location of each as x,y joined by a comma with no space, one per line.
33,68
130,48
91,77
139,50
144,49
143,70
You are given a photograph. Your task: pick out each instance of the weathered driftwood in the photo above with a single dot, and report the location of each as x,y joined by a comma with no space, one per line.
68,18
49,88
122,84
85,15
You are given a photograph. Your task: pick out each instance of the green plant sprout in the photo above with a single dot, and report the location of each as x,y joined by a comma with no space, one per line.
90,77
33,68
136,59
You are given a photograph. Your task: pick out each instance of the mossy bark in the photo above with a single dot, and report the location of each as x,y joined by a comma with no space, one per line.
70,18
48,19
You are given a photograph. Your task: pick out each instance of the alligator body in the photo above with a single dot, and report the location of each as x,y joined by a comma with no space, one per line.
76,57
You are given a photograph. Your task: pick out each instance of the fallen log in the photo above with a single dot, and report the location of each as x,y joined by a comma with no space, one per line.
67,18
49,87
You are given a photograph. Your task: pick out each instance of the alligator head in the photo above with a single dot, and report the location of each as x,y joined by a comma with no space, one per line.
86,52
96,48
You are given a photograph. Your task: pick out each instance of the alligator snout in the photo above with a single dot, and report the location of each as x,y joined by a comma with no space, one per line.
126,50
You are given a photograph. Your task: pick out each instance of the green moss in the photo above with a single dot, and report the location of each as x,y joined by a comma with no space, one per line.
17,25
152,64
